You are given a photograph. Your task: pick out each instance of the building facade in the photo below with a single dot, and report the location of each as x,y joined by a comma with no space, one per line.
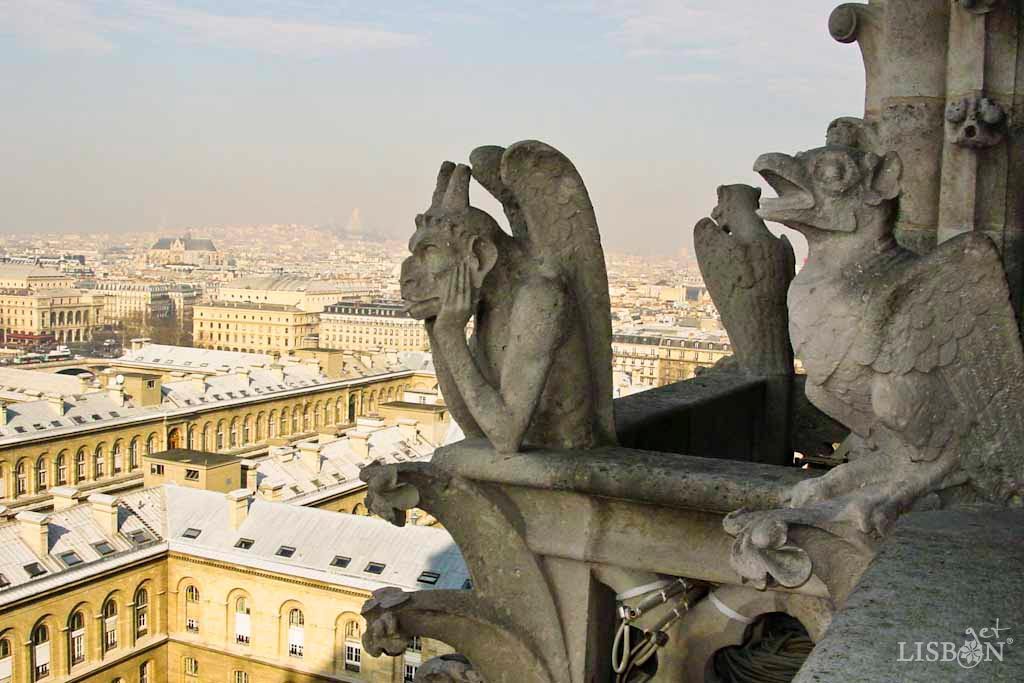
170,584
355,326
654,361
286,290
28,276
253,327
185,250
127,300
43,317
93,434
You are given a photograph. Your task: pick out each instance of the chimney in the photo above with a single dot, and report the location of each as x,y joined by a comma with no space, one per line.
35,531
409,429
4,414
272,490
359,442
244,374
326,435
277,372
64,497
250,475
104,511
57,402
309,455
116,395
238,507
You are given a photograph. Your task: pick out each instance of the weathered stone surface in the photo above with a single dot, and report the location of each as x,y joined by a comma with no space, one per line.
537,369
939,576
919,356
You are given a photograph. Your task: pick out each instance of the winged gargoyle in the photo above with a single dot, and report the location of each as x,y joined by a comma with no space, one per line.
920,356
537,369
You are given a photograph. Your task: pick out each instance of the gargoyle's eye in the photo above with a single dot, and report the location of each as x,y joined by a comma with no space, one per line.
835,173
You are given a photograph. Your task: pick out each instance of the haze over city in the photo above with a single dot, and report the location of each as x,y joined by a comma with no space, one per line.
137,116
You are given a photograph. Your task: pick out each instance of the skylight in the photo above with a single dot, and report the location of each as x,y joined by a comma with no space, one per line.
192,533
428,577
139,537
244,543
103,548
70,558
285,551
375,568
34,570
340,561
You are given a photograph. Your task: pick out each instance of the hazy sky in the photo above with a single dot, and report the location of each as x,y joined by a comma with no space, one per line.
133,114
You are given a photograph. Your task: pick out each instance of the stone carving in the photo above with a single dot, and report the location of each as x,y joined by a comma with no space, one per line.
918,355
762,552
452,668
975,122
747,271
508,624
537,369
979,6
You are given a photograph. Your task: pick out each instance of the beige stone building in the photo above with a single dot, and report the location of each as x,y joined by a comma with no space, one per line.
286,290
92,432
179,585
654,361
253,327
22,276
128,299
47,316
185,250
355,326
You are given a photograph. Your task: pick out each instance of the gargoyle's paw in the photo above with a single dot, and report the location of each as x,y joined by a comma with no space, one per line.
810,491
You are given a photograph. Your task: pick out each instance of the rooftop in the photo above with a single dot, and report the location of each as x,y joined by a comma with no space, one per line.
186,456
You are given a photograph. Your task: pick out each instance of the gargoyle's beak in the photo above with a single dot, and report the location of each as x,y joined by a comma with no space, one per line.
786,176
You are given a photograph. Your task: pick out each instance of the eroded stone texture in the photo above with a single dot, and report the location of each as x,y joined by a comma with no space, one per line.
537,369
919,356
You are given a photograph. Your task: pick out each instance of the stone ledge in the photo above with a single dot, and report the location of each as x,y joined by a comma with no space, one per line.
938,574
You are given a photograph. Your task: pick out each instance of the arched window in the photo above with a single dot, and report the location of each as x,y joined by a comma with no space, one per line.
109,626
151,444
116,458
40,652
317,411
206,436
6,661
247,430
141,612
80,465
41,479
220,435
272,424
243,623
190,439
97,462
306,418
284,422
146,672
241,677
233,443
296,632
61,469
133,453
295,420
192,609
20,479
353,631
76,638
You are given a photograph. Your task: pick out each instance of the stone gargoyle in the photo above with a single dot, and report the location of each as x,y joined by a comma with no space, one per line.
920,356
537,368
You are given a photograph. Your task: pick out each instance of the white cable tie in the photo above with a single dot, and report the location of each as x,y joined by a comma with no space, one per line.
640,590
729,611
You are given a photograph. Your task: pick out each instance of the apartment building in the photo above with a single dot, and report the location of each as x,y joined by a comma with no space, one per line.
355,326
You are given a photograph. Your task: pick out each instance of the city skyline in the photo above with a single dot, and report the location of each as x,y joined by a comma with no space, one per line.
139,116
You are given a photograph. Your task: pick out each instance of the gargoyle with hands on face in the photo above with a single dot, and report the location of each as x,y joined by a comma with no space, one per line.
537,369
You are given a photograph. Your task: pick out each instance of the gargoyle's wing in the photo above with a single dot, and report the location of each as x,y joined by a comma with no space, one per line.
950,318
747,270
549,209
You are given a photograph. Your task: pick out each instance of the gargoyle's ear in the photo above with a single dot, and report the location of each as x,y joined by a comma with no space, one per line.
482,256
885,179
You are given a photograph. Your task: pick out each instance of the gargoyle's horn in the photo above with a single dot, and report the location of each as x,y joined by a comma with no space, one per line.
457,196
443,178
